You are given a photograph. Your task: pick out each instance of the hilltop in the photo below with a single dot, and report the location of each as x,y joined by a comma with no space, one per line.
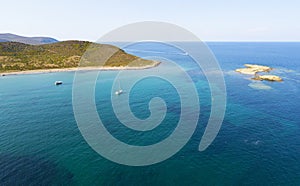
16,56
26,40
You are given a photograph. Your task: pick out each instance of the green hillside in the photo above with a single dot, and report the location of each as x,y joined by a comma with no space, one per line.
19,57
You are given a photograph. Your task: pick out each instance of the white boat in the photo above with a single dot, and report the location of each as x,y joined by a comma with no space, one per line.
58,82
120,91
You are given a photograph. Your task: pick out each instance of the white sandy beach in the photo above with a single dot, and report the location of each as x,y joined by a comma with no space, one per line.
41,71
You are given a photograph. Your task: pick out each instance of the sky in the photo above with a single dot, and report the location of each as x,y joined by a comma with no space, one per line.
209,20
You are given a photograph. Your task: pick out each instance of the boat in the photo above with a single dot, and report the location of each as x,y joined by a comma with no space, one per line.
120,91
58,82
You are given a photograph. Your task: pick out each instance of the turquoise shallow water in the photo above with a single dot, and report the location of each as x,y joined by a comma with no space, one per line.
258,143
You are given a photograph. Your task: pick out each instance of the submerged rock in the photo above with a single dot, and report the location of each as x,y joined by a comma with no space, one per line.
259,85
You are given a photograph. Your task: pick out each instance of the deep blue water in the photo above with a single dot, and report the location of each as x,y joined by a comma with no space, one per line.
258,144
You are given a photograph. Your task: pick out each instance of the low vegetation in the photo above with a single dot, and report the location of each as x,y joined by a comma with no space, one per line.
16,56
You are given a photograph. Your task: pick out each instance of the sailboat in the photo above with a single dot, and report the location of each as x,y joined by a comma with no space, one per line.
120,91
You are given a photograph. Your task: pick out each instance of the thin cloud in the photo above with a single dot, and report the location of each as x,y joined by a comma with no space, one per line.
258,29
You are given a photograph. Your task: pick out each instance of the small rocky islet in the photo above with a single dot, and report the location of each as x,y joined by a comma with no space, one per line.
252,69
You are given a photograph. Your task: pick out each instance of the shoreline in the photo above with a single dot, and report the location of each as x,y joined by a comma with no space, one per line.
74,69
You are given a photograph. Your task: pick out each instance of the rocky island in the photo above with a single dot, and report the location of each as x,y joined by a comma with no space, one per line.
268,78
252,69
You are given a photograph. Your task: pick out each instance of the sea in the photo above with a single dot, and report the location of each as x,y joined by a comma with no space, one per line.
258,142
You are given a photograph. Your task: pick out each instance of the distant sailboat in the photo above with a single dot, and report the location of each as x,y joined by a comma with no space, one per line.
120,91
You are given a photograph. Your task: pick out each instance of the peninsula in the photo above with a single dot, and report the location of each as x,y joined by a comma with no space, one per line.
21,58
252,69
